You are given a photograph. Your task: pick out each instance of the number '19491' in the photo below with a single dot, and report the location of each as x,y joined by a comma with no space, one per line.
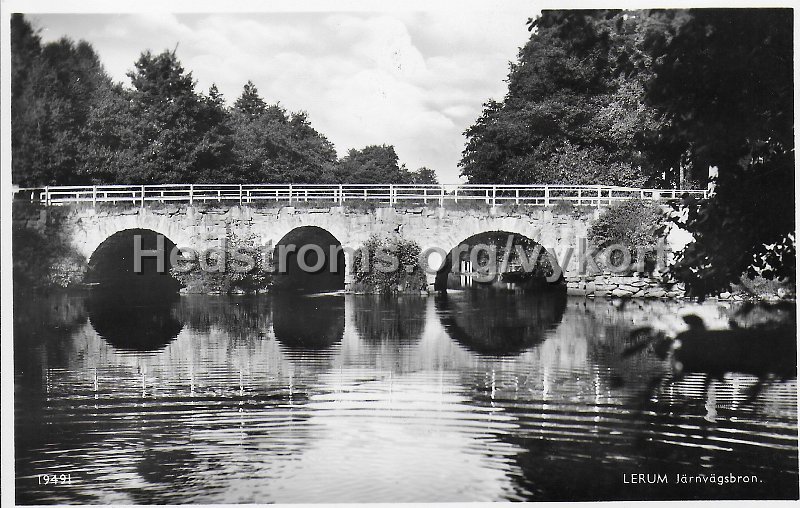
54,479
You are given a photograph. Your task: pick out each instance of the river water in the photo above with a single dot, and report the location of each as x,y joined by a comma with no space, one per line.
473,397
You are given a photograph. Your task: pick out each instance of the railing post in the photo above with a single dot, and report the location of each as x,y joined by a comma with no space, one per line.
142,191
600,195
516,199
341,194
94,196
455,195
47,195
494,196
546,195
441,195
290,194
191,194
425,195
240,194
391,194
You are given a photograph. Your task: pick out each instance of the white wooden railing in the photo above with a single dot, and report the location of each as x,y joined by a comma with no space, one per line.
543,195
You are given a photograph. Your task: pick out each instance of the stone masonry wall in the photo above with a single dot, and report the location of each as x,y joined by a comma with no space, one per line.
622,286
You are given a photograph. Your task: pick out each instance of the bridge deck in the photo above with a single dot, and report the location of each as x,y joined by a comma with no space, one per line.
542,195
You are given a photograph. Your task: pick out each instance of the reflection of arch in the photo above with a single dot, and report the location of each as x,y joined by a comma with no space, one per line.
137,324
308,323
500,323
394,319
113,263
514,274
330,271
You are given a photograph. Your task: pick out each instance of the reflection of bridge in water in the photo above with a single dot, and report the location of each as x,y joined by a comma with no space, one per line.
237,392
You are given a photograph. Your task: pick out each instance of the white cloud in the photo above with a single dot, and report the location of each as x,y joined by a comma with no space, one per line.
416,80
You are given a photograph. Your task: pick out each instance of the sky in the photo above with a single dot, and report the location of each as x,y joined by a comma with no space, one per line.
415,79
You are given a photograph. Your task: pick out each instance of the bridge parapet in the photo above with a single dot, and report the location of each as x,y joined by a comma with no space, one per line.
393,194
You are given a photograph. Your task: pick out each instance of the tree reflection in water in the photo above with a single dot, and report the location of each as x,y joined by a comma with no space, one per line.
308,322
390,319
500,323
134,322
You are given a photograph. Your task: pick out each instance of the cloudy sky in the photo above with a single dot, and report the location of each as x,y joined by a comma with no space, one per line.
416,80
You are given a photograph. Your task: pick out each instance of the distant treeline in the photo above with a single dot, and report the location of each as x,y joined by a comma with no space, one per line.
72,125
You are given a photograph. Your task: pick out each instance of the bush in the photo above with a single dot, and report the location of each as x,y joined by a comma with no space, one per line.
373,263
232,278
634,224
43,259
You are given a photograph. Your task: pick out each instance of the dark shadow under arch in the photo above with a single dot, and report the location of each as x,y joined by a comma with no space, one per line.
292,277
112,265
514,277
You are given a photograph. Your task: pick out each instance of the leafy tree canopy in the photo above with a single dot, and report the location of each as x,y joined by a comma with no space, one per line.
574,112
723,80
73,125
372,164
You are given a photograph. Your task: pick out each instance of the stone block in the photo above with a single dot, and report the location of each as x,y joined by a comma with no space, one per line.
619,292
654,293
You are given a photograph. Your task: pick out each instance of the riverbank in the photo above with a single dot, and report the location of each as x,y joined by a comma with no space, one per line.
644,287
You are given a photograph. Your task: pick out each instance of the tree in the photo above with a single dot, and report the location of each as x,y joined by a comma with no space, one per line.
54,87
161,130
423,176
214,151
371,164
272,145
724,84
574,112
250,103
165,121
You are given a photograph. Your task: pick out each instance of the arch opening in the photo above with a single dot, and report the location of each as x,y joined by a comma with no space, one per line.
133,261
309,259
517,263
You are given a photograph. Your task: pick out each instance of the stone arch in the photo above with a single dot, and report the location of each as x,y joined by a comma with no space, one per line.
88,238
114,263
535,229
335,224
299,266
545,264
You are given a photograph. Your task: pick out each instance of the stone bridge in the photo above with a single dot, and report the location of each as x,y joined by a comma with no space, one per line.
438,224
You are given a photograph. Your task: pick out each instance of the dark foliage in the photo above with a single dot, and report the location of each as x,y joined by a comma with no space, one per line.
574,110
724,83
73,125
